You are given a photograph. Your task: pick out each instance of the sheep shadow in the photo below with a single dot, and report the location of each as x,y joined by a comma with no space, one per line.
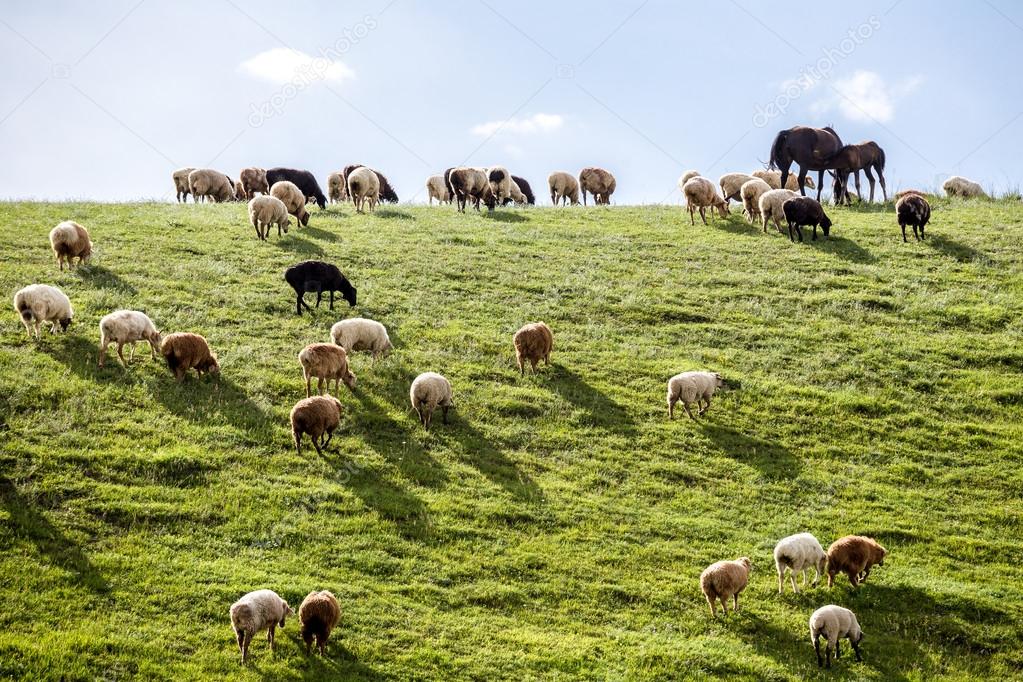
81,356
391,214
292,242
954,249
101,277
839,246
198,398
338,663
317,233
505,217
486,457
742,227
773,460
600,410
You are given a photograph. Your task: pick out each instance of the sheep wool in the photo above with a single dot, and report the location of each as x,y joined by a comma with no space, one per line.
181,188
325,361
253,180
126,326
731,184
500,183
701,193
854,555
318,416
265,211
750,193
361,334
533,343
598,182
69,241
363,187
958,186
913,209
337,190
773,178
437,189
428,392
724,580
206,183
37,304
692,388
805,212
772,204
318,616
686,177
834,623
292,198
184,351
255,612
798,553
564,188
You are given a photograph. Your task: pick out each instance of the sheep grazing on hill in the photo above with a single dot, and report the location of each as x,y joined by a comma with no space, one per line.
772,204
500,183
255,612
127,326
337,188
38,304
181,187
773,178
533,342
239,191
524,189
253,180
265,211
293,199
428,392
387,192
437,189
750,193
692,388
318,417
907,192
598,182
913,209
701,193
360,334
805,212
325,361
206,183
303,179
318,616
69,241
957,186
798,553
731,185
564,188
854,555
363,187
686,177
471,184
835,623
184,351
314,275
723,580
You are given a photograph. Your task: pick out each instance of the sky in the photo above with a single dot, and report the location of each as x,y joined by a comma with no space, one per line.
104,100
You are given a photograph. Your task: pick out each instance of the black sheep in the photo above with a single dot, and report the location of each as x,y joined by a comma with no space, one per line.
913,210
314,275
525,189
304,180
805,211
387,193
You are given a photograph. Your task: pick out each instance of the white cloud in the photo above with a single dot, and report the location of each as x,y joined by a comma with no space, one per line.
514,151
531,125
283,65
865,96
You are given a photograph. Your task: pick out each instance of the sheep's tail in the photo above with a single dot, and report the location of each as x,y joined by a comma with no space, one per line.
779,143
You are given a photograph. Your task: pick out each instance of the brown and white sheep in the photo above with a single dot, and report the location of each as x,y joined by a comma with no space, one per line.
69,241
564,188
731,185
38,304
317,416
181,188
337,188
724,580
854,555
364,186
701,193
533,342
184,351
471,184
598,182
325,361
318,616
253,180
835,623
293,199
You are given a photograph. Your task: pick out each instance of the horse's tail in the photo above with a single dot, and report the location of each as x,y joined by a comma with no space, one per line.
779,143
880,158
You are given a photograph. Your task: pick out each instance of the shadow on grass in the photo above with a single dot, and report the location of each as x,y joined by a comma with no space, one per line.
601,411
81,355
197,399
389,213
406,511
957,250
317,233
839,246
292,242
99,276
338,664
773,460
505,217
485,456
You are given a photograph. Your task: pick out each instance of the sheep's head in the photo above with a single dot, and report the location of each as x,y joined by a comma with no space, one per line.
349,294
349,379
154,338
211,365
744,560
882,554
288,611
826,225
722,206
719,381
65,322
303,218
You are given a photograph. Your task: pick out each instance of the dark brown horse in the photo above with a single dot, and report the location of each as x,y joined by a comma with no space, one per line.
853,158
810,148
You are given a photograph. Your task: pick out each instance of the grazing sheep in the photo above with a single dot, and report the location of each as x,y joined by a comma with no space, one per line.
314,275
253,180
206,183
564,188
725,579
524,189
957,186
437,189
854,555
316,416
265,211
185,351
500,183
39,303
471,184
325,361
701,193
731,185
181,187
773,178
428,392
255,612
686,177
772,204
337,189
533,342
907,192
835,623
318,616
239,191
127,326
360,334
750,193
293,199
598,182
363,186
804,212
387,193
692,388
914,210
69,240
303,179
797,553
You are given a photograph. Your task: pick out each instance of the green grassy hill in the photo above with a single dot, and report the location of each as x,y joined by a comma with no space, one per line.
557,527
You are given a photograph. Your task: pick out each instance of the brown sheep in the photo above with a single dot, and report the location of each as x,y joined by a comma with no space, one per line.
325,361
599,182
854,555
471,184
723,580
253,180
315,416
318,615
534,342
70,240
185,351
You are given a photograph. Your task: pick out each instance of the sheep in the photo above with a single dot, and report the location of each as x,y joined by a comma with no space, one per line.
184,351
725,579
686,177
750,192
731,185
907,192
255,612
181,188
325,361
239,191
69,240
690,388
564,188
835,623
701,193
598,182
360,334
914,210
206,183
533,342
363,186
337,189
957,186
314,275
302,179
471,183
773,178
797,553
316,416
39,303
771,205
289,193
387,193
265,211
805,211
524,189
500,183
253,180
127,326
318,616
854,555
436,189
428,392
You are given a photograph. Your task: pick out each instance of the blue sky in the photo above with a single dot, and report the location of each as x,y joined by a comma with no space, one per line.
104,100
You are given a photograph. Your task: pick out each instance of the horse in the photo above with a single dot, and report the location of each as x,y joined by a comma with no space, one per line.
852,158
810,148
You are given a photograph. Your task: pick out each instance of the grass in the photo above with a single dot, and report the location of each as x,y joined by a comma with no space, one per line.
557,527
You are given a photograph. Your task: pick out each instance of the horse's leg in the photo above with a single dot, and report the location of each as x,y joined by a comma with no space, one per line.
880,176
801,181
785,175
820,185
870,179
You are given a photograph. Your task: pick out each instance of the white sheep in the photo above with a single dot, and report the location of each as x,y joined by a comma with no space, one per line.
500,183
958,186
127,326
750,193
266,211
181,187
564,188
731,184
293,199
437,189
206,182
39,303
773,178
361,334
428,392
835,623
771,205
797,553
363,186
255,612
690,388
701,193
69,240
686,177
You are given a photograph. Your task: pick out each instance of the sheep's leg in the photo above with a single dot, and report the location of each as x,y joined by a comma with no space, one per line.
792,578
781,580
817,650
724,605
713,607
903,226
319,385
120,354
241,644
245,648
319,294
692,216
152,350
316,444
330,437
703,214
429,417
854,579
331,299
444,414
270,635
688,411
838,648
865,575
671,408
856,645
705,408
827,655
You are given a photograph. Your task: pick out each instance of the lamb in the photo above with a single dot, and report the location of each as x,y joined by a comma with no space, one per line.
750,192
325,361
206,183
363,186
471,183
797,553
533,342
253,180
731,185
69,240
293,199
39,303
303,179
805,211
725,579
773,178
524,189
854,555
318,615
599,182
184,351
564,188
500,183
957,186
686,177
181,187
690,388
127,326
360,334
701,193
914,210
437,189
337,188
265,211
317,416
255,612
314,275
428,392
771,205
835,623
